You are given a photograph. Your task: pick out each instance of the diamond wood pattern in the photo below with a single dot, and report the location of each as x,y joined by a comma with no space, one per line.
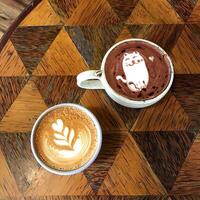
147,154
165,116
189,40
59,89
154,12
154,32
123,181
32,53
7,182
190,170
99,169
50,184
27,107
94,13
42,15
184,7
10,62
195,13
98,39
166,152
56,56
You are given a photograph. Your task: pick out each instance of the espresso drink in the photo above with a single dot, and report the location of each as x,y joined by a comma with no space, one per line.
66,138
137,70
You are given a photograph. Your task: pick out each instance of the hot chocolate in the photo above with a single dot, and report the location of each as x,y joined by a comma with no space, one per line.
66,138
137,70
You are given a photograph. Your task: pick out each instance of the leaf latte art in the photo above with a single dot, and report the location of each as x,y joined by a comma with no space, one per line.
66,138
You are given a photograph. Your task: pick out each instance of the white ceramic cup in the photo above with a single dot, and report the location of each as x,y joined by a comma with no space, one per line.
99,139
96,79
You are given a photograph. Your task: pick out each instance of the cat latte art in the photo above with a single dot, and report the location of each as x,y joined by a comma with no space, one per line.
66,138
135,71
138,70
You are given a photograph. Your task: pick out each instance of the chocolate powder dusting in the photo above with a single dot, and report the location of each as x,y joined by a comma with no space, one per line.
157,64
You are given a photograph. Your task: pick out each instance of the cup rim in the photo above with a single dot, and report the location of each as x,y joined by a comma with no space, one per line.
86,165
139,101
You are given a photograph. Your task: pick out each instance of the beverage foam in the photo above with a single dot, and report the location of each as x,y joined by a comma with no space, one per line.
66,138
137,70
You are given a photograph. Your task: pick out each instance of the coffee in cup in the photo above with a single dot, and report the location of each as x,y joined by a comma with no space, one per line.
66,138
135,73
137,70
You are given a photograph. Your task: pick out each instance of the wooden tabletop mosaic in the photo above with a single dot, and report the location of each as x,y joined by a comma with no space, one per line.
147,154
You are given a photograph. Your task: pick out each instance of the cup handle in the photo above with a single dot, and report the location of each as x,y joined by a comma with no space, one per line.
90,79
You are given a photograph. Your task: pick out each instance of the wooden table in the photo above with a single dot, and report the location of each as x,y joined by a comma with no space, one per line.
147,154
9,11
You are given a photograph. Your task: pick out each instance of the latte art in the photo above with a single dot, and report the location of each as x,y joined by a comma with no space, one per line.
137,70
66,139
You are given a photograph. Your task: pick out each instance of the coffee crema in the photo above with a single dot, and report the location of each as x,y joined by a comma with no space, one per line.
66,138
137,70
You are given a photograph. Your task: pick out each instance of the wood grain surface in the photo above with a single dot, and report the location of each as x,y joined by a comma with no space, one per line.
25,47
27,107
154,12
121,180
56,56
165,151
9,11
43,15
8,59
189,171
147,154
